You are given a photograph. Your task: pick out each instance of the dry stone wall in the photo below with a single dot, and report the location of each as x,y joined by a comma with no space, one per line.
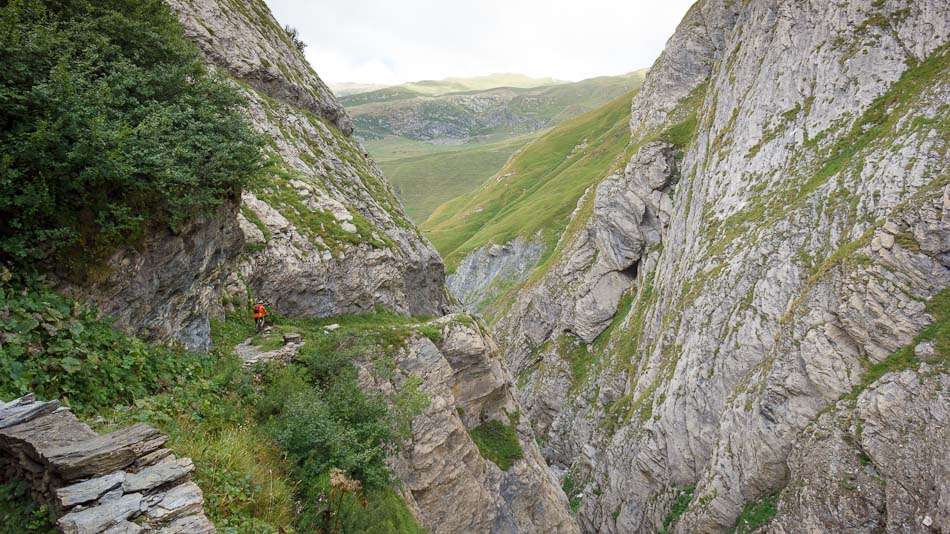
125,482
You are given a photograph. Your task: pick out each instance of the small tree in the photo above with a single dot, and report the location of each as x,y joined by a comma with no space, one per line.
295,37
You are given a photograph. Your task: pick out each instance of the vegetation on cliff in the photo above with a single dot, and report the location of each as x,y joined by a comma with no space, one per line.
110,123
264,448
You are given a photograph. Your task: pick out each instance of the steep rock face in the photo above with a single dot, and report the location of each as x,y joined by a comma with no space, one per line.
581,293
805,236
450,485
243,39
857,468
483,274
326,234
170,285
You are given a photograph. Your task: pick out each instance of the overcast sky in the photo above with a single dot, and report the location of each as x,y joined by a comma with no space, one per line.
394,41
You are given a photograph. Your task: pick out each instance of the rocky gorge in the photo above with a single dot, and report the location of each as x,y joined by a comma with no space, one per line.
744,317
745,324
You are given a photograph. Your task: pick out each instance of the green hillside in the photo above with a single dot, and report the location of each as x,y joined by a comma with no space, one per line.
430,175
427,174
538,189
412,112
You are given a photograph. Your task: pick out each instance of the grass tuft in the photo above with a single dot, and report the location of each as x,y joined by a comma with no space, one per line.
497,442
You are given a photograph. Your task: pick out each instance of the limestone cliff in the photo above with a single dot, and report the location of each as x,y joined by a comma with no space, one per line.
325,234
772,251
452,487
322,234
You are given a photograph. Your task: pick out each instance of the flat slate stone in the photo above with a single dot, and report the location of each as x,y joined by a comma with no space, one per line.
105,454
89,490
183,500
125,527
24,409
36,437
100,518
192,524
158,474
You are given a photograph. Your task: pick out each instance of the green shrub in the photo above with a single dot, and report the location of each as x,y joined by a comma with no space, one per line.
321,418
58,348
19,514
497,442
678,507
339,427
756,514
573,499
109,122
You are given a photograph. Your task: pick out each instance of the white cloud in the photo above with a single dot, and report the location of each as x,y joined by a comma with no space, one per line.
392,41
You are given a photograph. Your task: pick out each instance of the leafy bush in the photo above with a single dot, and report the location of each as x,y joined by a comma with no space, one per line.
109,122
497,442
337,427
321,418
20,514
295,38
58,348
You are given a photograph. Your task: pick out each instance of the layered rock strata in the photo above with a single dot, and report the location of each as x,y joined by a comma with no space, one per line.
119,483
452,487
801,247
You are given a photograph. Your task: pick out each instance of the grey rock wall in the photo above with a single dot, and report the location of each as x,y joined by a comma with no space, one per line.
798,243
447,481
169,286
485,273
244,39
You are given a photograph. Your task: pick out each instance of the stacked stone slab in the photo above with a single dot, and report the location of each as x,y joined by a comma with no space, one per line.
125,482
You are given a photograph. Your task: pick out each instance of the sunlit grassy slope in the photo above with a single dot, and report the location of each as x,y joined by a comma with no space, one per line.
538,189
430,175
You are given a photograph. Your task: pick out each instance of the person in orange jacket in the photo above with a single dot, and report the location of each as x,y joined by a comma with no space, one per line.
260,312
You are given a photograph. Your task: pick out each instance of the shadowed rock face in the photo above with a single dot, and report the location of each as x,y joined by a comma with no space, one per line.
170,285
485,273
795,231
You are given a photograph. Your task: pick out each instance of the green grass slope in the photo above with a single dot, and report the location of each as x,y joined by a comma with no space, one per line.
538,189
425,181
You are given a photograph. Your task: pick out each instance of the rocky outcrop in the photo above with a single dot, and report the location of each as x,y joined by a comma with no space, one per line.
447,481
803,239
326,234
486,272
242,38
857,468
123,482
169,286
581,294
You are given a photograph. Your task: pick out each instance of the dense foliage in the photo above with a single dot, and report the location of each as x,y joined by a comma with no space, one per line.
109,122
319,416
21,515
58,348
